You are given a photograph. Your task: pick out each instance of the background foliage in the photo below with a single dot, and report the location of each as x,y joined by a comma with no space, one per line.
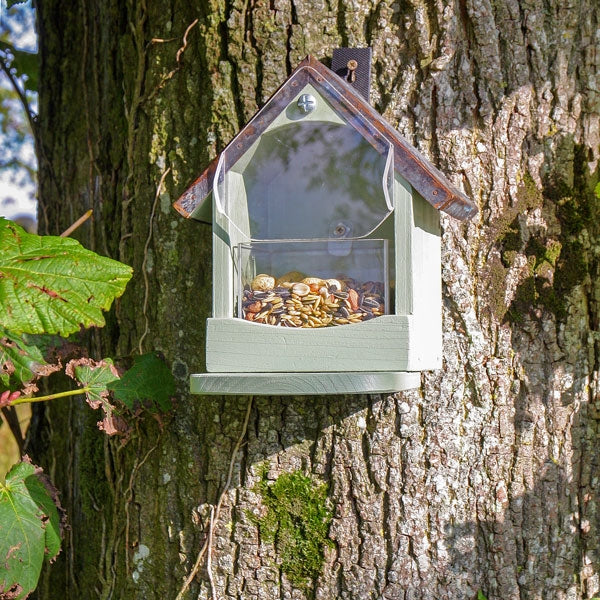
18,103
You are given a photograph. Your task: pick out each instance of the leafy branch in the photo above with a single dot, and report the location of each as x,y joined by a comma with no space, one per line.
6,65
52,285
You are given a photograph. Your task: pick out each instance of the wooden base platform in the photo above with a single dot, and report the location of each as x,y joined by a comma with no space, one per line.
303,384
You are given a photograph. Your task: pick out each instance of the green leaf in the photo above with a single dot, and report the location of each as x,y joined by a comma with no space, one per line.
53,285
11,3
95,377
24,63
20,362
481,595
148,383
29,529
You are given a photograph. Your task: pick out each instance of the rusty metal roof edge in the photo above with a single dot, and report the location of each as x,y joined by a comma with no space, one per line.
452,200
200,189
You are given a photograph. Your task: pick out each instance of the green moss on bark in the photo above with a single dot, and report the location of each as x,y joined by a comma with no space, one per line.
297,521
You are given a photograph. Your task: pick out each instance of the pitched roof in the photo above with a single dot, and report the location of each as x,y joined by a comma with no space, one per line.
433,185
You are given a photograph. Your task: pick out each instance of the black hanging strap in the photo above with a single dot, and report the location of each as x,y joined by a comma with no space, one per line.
354,65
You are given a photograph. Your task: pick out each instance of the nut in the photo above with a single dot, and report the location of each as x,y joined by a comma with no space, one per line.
300,289
309,280
334,284
263,283
290,276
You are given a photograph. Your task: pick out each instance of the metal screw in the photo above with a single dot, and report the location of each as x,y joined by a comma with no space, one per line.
340,230
351,66
307,103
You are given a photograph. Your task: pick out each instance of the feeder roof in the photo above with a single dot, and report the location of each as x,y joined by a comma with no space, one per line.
433,185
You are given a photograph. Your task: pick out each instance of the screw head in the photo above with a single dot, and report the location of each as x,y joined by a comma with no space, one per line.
307,103
341,230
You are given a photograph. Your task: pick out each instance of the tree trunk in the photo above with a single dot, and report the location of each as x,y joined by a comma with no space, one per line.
486,478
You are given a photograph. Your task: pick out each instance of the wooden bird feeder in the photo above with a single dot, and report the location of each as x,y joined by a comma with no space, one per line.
326,248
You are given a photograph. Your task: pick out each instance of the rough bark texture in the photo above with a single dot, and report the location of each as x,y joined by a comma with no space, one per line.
484,479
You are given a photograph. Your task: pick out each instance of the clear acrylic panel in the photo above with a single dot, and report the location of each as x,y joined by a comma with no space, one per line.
312,179
307,180
315,283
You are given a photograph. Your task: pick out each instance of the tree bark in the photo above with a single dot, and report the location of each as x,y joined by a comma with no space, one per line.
486,478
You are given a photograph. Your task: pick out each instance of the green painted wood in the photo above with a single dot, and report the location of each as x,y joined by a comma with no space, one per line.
300,384
235,345
222,267
426,343
402,276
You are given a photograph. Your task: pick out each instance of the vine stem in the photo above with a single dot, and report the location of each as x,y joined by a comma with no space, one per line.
50,396
145,260
214,514
213,591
